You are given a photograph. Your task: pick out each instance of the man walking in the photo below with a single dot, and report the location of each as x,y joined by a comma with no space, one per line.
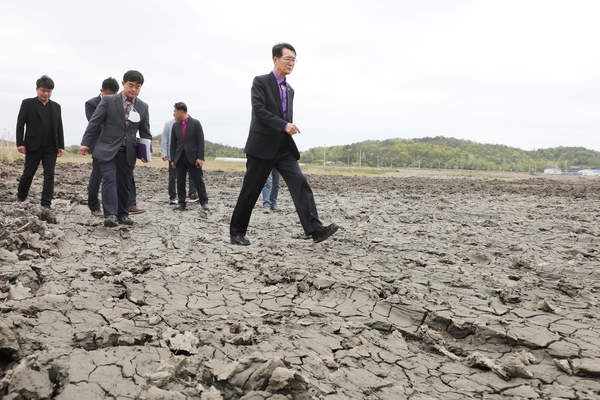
40,137
165,153
270,191
270,145
109,86
187,154
113,128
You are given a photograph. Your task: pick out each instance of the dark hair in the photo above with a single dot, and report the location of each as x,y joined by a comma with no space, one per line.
133,76
110,84
45,82
180,106
278,49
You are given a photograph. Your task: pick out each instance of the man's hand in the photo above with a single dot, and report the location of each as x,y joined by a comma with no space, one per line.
291,129
199,162
84,150
164,158
21,149
144,160
172,164
60,152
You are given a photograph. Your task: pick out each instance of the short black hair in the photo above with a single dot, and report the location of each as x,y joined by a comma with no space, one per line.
180,106
111,84
45,82
133,76
278,49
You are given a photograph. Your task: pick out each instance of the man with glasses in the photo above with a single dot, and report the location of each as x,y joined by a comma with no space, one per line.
113,128
270,145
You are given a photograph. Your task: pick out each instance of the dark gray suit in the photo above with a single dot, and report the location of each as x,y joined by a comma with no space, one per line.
115,149
108,127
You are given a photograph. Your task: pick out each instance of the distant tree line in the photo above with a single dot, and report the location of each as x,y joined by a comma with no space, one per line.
430,152
448,153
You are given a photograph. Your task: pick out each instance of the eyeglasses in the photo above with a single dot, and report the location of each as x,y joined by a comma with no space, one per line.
289,60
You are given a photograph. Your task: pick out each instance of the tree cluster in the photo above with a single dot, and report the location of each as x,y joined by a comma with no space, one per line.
448,153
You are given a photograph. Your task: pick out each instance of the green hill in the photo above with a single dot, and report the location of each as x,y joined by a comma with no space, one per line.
440,152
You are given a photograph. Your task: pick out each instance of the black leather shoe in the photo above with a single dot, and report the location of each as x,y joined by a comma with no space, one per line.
324,232
205,207
179,208
125,220
111,221
240,240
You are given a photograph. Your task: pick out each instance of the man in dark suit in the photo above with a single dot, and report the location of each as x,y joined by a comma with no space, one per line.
109,86
270,145
113,128
41,141
187,154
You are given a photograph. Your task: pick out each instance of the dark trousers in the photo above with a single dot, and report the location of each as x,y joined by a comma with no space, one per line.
94,186
116,185
257,171
132,192
47,156
184,167
173,179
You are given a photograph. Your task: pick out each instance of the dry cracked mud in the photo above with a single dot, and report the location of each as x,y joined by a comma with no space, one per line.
433,288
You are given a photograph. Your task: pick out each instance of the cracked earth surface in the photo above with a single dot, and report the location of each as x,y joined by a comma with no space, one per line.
433,288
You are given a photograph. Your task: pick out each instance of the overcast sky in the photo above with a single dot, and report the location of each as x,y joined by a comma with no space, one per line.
522,73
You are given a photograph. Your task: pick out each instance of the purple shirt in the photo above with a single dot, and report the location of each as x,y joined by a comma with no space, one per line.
282,93
184,125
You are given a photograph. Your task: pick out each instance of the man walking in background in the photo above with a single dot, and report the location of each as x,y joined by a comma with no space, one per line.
270,191
113,128
187,154
165,153
40,137
270,145
109,86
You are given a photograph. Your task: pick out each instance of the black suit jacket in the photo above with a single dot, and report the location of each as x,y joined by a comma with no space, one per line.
267,135
30,125
91,105
193,143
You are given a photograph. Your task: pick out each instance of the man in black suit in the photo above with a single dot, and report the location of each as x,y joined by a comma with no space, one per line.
187,154
109,86
270,145
113,129
42,141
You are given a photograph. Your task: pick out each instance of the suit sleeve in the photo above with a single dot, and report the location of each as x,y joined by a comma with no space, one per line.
173,148
59,130
262,103
21,120
144,129
165,151
200,143
94,127
90,107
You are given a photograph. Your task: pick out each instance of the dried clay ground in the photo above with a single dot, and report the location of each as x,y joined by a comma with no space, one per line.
435,287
